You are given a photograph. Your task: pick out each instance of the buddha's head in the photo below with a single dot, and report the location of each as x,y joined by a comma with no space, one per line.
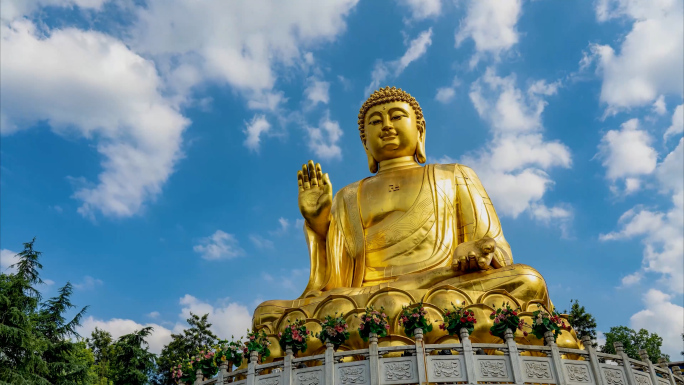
391,125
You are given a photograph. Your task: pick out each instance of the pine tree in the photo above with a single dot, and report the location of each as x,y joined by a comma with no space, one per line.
582,322
132,363
198,335
21,348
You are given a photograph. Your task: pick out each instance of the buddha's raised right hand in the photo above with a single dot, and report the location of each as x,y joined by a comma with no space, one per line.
315,197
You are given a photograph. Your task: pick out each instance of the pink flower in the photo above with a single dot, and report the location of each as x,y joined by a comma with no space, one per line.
387,326
361,327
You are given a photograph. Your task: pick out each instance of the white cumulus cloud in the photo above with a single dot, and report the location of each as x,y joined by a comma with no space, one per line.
627,154
663,317
650,58
118,327
323,140
227,318
491,24
423,9
661,231
677,127
515,162
88,84
219,245
258,126
7,259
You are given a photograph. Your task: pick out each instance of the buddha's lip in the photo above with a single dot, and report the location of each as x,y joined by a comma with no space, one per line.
388,137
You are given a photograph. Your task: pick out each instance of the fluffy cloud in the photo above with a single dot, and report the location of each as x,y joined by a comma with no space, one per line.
234,43
7,259
382,70
513,165
446,94
627,154
323,140
663,317
649,61
219,245
492,26
88,84
662,232
255,128
227,318
423,9
317,92
118,327
677,127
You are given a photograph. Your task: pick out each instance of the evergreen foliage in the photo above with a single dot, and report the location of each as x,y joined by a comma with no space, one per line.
632,341
581,321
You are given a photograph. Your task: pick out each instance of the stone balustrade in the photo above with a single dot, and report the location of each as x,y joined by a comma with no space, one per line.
464,363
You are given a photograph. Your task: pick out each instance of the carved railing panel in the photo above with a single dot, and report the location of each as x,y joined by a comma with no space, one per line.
578,372
308,376
442,369
352,373
538,370
400,370
493,369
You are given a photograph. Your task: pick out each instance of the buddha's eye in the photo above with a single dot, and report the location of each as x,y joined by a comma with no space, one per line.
397,117
375,121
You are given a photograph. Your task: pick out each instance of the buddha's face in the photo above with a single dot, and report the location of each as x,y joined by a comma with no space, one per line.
392,131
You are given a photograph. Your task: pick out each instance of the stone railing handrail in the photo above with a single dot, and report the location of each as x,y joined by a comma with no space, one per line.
549,365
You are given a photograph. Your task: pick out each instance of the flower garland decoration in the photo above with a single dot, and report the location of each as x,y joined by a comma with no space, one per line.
229,351
545,322
374,321
458,318
184,371
257,341
204,360
334,331
412,318
505,318
295,336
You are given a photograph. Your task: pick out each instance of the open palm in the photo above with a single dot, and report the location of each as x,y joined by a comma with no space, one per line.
315,196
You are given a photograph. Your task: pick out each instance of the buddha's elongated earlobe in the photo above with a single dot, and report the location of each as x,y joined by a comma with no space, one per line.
420,148
372,163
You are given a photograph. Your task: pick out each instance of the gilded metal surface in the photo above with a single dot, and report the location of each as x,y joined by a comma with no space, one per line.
409,233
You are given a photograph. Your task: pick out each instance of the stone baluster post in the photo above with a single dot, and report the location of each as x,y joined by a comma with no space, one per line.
251,368
199,377
556,358
421,360
222,373
677,370
287,366
620,350
329,376
593,360
468,357
662,362
514,356
374,359
643,354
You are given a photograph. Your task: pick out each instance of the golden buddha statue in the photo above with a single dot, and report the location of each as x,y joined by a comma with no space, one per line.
408,234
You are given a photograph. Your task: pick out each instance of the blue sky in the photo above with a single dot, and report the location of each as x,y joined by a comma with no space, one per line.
152,146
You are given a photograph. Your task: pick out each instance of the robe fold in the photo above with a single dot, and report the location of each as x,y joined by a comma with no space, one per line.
452,207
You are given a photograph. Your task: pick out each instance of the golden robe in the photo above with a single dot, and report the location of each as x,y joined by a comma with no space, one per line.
408,260
452,207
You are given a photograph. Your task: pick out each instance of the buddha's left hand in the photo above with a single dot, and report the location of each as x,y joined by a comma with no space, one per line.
475,255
